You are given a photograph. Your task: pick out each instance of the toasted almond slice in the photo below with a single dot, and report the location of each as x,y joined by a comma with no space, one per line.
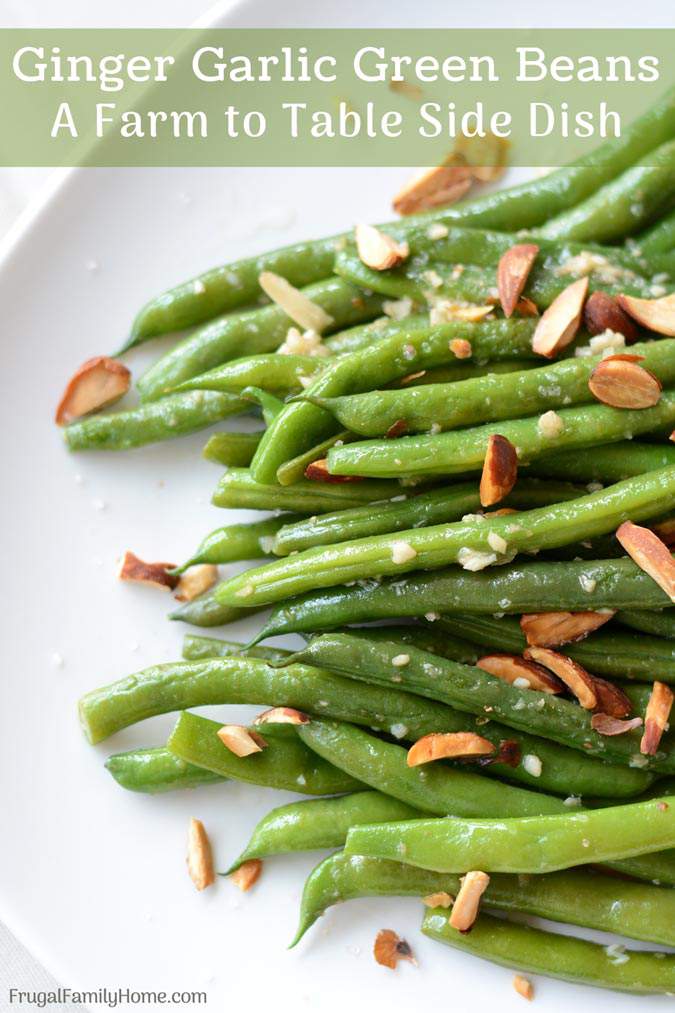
651,555
465,909
560,322
196,581
318,471
247,874
611,700
446,745
309,315
665,531
550,629
603,313
523,986
411,377
389,948
526,308
511,668
656,718
378,250
281,716
432,187
672,436
199,856
624,384
605,724
97,383
445,310
240,740
461,348
654,314
440,899
500,470
573,675
512,274
398,428
133,569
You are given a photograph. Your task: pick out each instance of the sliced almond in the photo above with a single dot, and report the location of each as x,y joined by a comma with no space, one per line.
461,348
560,322
448,745
444,311
398,428
654,314
309,315
611,700
247,874
433,186
281,716
550,629
199,856
318,471
440,899
465,909
573,675
651,555
605,724
389,948
656,718
512,274
98,382
524,987
526,308
196,581
240,740
512,668
603,313
500,470
133,569
624,384
378,250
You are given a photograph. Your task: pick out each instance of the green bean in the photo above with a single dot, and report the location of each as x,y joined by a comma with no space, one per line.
448,503
198,648
270,405
456,452
658,239
238,489
443,544
276,373
608,463
636,910
156,770
661,624
319,823
286,763
526,948
530,844
253,331
363,335
174,416
518,588
490,398
207,611
614,653
301,424
235,542
623,206
475,691
234,450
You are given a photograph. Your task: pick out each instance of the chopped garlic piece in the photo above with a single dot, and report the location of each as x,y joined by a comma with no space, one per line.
402,552
550,425
471,559
497,543
532,765
398,309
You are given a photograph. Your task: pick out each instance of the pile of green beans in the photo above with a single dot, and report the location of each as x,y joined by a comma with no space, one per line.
366,474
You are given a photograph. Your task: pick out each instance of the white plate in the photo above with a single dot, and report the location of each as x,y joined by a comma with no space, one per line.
93,878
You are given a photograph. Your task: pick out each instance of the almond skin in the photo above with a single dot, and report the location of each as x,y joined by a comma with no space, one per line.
434,186
444,745
560,322
656,718
465,908
550,629
240,740
281,716
378,250
512,274
98,382
573,675
389,948
604,724
500,470
621,383
133,569
655,314
603,313
318,471
651,555
612,701
509,667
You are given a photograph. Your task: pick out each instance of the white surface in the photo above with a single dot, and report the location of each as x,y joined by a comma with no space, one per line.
93,878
